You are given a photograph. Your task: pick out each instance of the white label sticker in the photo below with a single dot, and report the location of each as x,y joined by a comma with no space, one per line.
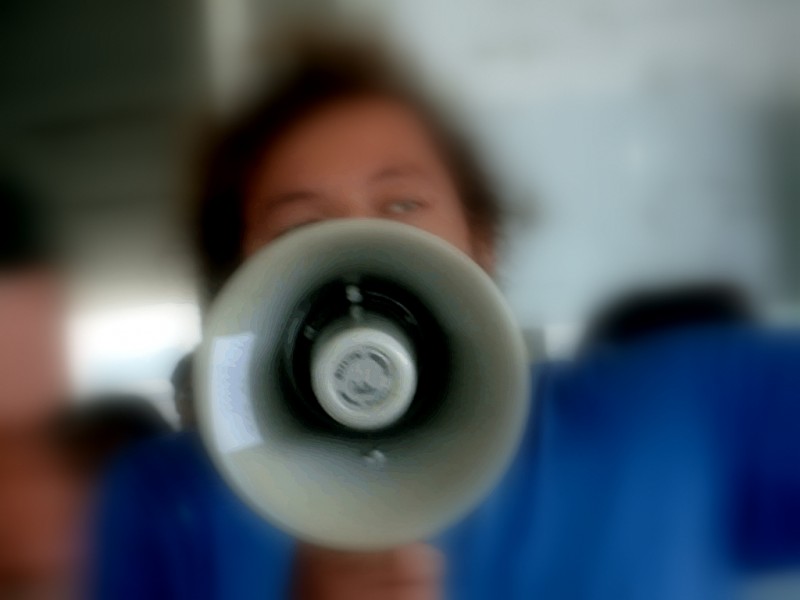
234,422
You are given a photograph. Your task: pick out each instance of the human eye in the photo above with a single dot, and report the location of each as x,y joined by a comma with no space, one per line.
403,206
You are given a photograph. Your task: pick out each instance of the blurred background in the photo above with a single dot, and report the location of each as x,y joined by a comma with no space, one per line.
650,141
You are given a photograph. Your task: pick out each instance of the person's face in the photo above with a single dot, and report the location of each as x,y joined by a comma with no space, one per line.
360,158
32,360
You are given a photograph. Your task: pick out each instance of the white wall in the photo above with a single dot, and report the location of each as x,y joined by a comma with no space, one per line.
635,126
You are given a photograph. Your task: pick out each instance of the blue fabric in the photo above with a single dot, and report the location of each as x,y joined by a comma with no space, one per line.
667,468
169,528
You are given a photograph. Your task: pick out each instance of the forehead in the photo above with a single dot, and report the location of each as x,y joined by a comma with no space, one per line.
347,137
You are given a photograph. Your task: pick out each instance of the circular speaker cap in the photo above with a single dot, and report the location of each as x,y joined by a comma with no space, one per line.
364,378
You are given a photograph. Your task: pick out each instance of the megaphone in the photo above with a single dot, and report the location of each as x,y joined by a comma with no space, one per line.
361,384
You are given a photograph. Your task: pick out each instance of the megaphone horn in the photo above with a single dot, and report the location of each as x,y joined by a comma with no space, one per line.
361,384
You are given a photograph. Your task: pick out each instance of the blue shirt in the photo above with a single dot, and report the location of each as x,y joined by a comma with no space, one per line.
665,468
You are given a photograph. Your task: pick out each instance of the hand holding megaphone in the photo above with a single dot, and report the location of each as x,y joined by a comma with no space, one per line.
361,384
411,572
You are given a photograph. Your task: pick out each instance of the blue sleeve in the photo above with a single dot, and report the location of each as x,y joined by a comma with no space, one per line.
126,561
168,528
768,523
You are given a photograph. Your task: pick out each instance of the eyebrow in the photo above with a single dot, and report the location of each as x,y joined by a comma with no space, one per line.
399,172
290,197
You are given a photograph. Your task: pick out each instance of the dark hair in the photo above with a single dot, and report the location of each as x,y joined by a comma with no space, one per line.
94,432
324,73
25,239
643,313
183,389
182,373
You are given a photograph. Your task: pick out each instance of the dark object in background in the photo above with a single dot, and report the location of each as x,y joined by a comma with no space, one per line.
651,312
94,432
183,386
25,238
